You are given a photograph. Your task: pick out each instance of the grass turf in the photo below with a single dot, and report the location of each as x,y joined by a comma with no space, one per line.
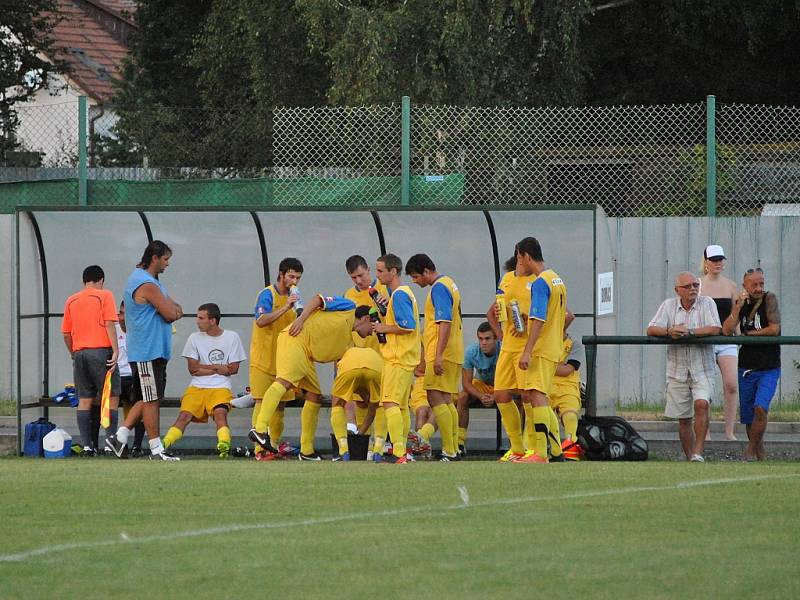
213,529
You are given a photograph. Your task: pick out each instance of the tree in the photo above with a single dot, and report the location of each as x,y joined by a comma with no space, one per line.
25,29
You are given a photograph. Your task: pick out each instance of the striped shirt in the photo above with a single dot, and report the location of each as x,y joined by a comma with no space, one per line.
693,362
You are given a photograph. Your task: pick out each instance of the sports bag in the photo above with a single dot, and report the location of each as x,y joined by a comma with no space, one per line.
34,436
610,438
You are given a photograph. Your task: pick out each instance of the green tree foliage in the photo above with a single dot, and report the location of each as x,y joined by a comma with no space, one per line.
24,37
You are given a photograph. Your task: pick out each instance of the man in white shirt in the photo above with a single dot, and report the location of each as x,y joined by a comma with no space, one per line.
212,355
690,367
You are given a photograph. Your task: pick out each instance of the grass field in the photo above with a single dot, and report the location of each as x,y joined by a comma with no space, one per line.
202,528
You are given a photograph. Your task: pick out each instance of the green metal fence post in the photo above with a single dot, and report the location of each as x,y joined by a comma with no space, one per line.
711,156
82,171
405,152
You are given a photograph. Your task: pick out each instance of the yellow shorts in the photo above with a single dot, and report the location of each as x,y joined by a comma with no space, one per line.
446,382
294,365
347,385
201,402
419,397
260,383
564,402
507,374
396,383
539,375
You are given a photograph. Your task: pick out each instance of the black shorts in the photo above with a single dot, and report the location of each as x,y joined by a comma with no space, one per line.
149,380
125,395
89,371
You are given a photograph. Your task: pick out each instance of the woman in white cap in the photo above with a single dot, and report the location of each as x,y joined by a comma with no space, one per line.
724,293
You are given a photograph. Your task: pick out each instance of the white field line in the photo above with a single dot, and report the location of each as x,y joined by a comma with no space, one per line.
125,538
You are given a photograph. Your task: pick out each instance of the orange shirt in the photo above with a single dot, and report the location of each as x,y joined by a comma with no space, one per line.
85,316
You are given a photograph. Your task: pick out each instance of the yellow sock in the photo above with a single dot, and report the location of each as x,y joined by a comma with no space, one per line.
462,436
406,423
394,421
269,404
275,428
339,427
570,421
308,426
426,432
454,419
541,420
224,434
509,414
361,414
381,429
554,434
173,435
444,419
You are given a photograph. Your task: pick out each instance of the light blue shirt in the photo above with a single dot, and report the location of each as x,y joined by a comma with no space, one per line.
149,335
482,366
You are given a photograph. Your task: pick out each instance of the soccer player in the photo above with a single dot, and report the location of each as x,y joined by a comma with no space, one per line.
542,352
322,333
565,394
359,272
477,377
358,378
212,355
424,421
273,312
401,354
444,347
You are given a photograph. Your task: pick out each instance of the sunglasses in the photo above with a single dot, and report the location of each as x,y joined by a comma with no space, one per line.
689,286
751,271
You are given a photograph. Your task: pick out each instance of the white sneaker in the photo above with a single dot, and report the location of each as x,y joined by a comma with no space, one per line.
163,456
697,458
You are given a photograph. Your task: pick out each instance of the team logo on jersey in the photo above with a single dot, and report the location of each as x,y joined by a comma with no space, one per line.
261,310
558,281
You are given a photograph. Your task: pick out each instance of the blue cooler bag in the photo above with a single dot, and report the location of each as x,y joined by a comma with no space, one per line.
34,436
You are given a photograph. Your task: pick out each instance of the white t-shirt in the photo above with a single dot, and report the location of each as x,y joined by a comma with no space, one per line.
122,357
210,350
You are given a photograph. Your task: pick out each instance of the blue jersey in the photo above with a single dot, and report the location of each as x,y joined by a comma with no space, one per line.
482,366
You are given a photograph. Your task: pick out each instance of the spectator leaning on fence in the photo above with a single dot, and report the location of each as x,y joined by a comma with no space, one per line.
90,337
690,367
756,312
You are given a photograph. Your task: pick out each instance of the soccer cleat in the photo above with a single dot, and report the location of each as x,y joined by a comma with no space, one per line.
260,437
266,455
414,441
425,450
531,457
571,450
395,460
510,456
88,452
164,455
286,450
410,457
444,457
462,450
223,449
136,452
314,456
119,449
341,458
377,457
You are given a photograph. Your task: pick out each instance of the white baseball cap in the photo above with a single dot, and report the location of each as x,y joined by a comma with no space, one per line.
714,251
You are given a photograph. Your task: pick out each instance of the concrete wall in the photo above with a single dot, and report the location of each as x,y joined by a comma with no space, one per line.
8,336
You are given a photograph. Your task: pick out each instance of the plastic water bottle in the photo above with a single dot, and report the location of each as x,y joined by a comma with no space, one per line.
516,316
500,298
298,306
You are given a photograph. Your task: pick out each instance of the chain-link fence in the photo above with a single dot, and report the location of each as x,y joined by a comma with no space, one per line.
631,160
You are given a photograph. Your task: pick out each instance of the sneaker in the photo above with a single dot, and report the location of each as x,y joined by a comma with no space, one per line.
410,457
425,450
377,457
571,450
510,456
119,449
462,450
285,449
444,457
165,455
697,458
341,458
414,441
531,457
261,438
313,456
395,460
223,449
266,455
136,452
88,452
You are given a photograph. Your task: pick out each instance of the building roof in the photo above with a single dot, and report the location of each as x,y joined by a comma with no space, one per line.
93,54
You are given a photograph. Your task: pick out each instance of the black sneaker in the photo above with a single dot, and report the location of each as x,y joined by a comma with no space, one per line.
136,452
559,458
88,452
314,456
164,455
443,457
462,450
262,439
117,447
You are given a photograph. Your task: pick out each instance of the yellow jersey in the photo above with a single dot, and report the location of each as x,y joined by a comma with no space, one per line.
326,333
571,384
264,340
362,298
402,350
549,304
519,289
444,305
359,358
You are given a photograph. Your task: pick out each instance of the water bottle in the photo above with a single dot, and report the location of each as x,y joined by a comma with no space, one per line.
373,316
298,306
516,316
500,298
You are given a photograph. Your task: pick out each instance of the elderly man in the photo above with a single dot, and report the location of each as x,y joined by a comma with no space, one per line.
690,367
756,313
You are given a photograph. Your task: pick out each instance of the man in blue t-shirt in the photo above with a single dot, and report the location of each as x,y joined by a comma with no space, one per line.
477,377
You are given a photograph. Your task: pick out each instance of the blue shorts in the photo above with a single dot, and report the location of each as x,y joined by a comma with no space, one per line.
756,388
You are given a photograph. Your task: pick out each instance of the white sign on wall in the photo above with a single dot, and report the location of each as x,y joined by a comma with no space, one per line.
605,293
